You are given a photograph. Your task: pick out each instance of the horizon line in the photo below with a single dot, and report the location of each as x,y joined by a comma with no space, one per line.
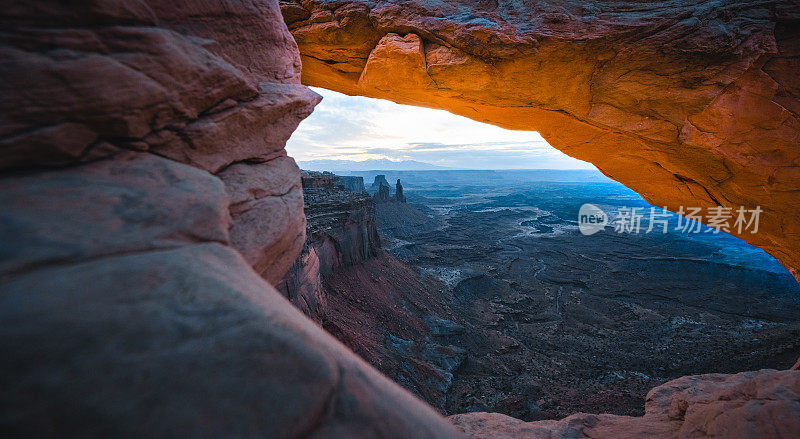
460,169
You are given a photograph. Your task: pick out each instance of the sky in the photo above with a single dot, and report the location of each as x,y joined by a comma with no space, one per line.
357,128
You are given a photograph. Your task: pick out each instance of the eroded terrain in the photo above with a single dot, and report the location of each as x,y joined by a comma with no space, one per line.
549,322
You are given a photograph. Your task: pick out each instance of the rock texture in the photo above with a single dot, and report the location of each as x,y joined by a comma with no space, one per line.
688,103
381,191
760,404
376,305
146,201
157,325
266,204
340,233
84,83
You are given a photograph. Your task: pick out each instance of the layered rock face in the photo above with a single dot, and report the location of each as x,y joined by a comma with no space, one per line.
84,83
340,233
376,305
691,104
765,403
146,201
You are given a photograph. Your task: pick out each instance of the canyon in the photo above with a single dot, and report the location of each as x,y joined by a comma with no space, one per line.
376,305
480,295
148,207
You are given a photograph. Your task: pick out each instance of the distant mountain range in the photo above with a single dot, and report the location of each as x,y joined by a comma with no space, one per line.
368,165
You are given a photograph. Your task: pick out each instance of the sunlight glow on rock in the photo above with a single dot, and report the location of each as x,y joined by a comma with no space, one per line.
357,128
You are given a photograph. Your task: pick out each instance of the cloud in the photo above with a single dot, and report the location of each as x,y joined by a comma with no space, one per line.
482,146
358,128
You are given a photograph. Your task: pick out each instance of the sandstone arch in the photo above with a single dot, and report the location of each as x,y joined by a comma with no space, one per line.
146,200
687,103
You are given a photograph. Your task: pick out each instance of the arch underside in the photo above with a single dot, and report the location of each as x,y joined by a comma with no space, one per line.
687,105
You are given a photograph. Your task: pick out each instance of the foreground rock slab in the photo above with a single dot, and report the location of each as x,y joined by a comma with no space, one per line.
762,404
146,203
690,104
158,327
87,82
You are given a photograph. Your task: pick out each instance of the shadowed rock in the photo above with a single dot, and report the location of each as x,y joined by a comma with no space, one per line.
144,181
398,194
128,314
340,232
380,180
382,196
85,82
765,403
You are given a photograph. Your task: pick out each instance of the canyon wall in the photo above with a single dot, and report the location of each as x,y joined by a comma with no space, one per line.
377,306
146,204
82,84
341,232
690,104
